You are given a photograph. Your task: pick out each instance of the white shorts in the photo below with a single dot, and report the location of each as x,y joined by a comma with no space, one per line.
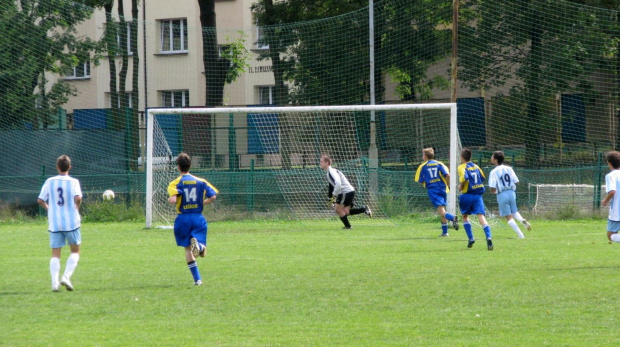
507,203
61,238
613,226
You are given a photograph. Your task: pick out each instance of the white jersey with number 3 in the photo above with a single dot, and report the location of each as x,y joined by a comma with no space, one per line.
612,182
59,193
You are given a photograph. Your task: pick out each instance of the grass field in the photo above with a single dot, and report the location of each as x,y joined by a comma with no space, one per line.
313,284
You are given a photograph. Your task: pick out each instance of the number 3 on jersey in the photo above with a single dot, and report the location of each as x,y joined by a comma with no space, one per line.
61,199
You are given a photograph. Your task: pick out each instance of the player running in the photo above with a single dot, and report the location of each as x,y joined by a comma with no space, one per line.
435,178
341,193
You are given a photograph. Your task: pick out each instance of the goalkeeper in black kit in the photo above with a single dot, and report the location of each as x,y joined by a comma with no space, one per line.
341,193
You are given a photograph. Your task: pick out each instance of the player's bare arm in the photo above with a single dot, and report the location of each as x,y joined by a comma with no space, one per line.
172,200
608,197
42,204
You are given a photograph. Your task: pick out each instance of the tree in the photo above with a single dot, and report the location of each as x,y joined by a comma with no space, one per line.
214,65
611,57
115,41
326,61
220,69
546,45
39,37
295,50
410,43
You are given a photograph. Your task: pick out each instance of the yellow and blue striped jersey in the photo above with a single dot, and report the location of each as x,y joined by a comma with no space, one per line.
191,191
432,174
472,176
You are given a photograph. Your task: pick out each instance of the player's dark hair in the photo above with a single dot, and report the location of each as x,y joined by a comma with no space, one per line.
184,162
327,159
429,153
466,154
499,156
613,158
63,163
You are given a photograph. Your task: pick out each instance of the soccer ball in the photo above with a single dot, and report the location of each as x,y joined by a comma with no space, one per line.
108,195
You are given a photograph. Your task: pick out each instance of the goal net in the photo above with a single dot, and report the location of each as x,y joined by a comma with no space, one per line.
266,158
552,197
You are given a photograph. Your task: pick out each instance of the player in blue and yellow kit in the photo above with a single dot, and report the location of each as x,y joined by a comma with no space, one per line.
190,194
471,180
435,178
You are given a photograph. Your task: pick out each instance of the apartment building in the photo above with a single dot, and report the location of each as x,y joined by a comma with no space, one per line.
171,72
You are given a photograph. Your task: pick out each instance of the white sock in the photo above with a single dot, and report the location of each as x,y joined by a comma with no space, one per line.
515,227
615,237
71,265
518,217
54,269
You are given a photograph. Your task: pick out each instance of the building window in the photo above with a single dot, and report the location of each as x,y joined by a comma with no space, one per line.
129,96
80,71
173,35
175,98
260,37
265,95
118,39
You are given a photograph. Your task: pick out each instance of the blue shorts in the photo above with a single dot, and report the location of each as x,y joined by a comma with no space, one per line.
613,226
507,203
438,197
188,226
62,238
471,204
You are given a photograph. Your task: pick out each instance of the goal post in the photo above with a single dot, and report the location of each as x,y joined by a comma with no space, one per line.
286,142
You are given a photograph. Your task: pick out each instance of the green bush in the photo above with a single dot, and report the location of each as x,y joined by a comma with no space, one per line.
112,211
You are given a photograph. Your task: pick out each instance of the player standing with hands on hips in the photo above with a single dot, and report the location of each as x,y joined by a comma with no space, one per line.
435,178
341,193
612,183
61,196
503,182
190,193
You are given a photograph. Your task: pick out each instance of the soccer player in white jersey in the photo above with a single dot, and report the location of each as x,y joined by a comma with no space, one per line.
612,182
61,196
503,182
341,193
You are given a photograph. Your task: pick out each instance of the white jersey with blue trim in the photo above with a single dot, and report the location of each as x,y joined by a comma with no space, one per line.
59,193
612,182
338,180
503,178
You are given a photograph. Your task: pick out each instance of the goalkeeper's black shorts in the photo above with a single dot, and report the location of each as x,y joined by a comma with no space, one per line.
346,199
